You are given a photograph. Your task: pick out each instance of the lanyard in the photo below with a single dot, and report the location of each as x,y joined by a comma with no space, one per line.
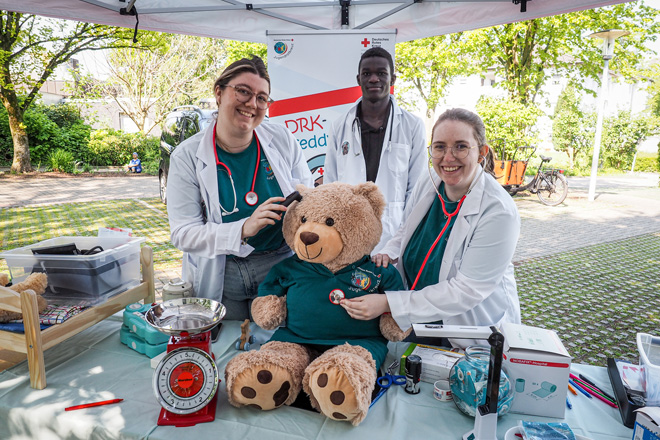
251,197
448,216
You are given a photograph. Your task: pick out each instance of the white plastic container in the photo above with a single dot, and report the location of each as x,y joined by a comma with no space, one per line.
649,359
74,278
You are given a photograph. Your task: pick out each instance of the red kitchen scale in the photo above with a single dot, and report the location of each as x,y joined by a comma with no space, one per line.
186,379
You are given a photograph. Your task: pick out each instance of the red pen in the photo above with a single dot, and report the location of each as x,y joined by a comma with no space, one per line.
89,405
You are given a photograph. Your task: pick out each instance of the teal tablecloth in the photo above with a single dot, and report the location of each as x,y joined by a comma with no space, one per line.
94,366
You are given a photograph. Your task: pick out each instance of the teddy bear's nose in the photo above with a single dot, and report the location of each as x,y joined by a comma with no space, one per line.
309,238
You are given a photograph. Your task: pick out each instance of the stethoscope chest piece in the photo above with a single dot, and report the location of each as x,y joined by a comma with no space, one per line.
251,198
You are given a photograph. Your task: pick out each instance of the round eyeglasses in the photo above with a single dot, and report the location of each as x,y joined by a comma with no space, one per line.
459,151
243,95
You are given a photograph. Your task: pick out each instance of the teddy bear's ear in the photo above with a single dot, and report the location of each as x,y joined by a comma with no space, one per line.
370,191
301,188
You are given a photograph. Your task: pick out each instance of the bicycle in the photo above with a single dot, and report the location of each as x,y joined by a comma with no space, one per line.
549,185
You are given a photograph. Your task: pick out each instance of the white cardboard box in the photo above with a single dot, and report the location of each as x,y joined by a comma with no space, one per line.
538,366
436,361
647,424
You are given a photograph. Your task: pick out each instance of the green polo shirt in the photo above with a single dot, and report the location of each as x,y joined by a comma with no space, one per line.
422,240
313,319
242,166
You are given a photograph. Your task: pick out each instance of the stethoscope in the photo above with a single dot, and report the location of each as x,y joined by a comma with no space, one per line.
356,121
251,197
448,216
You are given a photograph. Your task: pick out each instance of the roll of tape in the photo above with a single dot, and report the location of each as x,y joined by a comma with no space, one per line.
442,391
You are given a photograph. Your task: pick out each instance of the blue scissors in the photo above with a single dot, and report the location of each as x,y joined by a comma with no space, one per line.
386,381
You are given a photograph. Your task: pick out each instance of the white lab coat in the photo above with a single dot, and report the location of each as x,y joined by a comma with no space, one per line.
476,284
402,161
193,179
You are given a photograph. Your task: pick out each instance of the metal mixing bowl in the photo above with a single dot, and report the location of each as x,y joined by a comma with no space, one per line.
191,315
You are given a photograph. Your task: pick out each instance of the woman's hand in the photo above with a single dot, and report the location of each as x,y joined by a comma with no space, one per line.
383,260
366,307
266,214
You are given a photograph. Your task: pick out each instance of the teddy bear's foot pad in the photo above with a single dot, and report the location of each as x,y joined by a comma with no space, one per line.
262,387
334,394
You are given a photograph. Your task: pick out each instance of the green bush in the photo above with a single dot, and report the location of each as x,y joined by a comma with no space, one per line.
646,164
62,161
114,147
48,128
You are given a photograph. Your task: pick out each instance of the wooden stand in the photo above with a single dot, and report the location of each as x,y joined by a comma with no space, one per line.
35,341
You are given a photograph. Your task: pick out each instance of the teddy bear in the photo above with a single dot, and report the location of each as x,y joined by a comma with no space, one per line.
317,346
36,282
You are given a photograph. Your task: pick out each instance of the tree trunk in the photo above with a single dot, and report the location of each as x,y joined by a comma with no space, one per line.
21,163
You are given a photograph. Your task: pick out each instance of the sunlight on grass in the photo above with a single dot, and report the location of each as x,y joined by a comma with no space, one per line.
146,217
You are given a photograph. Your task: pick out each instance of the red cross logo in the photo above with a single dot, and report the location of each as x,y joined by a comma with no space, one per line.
365,42
321,171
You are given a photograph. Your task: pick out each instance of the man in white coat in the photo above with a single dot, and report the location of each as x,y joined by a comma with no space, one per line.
378,141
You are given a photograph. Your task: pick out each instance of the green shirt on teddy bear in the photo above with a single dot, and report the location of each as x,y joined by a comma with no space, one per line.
313,319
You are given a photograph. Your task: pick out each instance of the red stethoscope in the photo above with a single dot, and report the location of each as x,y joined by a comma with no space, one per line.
251,197
448,216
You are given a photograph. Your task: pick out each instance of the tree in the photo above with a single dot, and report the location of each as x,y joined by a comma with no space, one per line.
508,125
31,47
241,49
621,136
149,83
429,66
570,129
524,54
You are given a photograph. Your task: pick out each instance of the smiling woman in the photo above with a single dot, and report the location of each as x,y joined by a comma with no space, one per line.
225,189
456,246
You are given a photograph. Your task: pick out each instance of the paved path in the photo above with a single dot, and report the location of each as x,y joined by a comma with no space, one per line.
52,190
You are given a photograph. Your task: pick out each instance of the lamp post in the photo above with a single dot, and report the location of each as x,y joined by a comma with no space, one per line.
608,37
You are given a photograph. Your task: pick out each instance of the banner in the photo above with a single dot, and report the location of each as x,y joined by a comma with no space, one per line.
314,78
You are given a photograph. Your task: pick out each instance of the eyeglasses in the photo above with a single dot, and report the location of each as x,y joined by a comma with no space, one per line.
459,151
243,95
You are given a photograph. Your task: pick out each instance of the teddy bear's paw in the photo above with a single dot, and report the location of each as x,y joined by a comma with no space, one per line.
340,383
263,387
268,378
334,394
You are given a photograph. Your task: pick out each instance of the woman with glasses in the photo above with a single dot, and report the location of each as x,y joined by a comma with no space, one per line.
455,248
224,191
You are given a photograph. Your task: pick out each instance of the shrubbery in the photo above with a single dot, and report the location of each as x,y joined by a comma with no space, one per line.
57,135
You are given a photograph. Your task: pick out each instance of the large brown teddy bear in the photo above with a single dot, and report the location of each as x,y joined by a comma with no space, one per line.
36,282
318,347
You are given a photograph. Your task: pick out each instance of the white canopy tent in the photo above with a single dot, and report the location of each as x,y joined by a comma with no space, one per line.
240,20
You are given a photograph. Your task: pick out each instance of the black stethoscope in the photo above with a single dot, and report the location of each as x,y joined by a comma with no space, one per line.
251,197
356,120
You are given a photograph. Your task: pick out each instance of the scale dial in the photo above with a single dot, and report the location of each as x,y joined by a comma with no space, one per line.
186,380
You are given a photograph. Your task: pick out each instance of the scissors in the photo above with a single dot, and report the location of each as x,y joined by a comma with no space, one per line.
386,381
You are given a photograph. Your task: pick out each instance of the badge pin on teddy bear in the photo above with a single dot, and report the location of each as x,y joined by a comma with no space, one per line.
317,347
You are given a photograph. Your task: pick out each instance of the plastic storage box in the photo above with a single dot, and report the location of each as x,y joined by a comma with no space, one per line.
80,278
649,359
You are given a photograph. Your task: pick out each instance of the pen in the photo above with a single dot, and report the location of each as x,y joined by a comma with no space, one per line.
89,405
568,403
599,397
596,387
590,388
571,389
579,388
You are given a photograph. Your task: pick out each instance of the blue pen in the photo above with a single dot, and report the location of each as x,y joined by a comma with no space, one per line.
579,388
568,403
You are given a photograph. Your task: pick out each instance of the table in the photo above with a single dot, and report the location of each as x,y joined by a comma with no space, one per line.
94,366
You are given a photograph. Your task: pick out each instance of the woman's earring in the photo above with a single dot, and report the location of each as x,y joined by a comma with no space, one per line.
482,161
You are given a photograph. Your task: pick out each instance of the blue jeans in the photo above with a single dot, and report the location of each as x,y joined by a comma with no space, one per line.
242,279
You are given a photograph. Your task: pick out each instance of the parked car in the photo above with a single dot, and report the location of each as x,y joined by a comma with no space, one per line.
181,123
